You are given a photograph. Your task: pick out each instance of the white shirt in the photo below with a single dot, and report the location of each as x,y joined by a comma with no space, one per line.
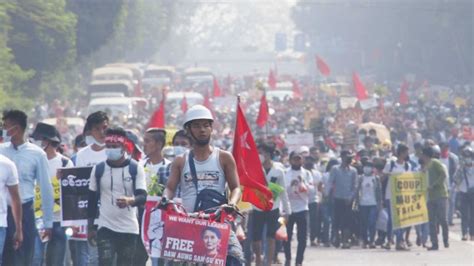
314,194
54,164
397,169
294,179
89,157
116,183
8,177
277,174
367,190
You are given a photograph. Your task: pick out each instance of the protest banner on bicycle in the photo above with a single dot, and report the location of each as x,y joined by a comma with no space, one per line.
202,241
408,202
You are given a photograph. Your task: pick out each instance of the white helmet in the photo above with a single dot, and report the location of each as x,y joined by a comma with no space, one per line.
197,112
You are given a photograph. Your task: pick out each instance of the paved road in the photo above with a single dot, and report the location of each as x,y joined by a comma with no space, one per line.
459,253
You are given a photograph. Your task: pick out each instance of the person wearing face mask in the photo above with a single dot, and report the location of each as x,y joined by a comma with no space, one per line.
464,179
32,165
276,175
315,195
94,132
48,138
120,190
437,197
341,187
400,165
298,182
369,200
451,161
78,144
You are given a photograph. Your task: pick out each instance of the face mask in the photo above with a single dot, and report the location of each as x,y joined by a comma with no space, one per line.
296,167
277,158
114,154
90,140
367,170
40,144
468,161
179,150
5,136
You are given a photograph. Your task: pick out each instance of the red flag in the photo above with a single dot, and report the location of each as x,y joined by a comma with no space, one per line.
361,92
216,89
403,93
158,117
249,167
263,114
272,81
323,67
184,104
296,90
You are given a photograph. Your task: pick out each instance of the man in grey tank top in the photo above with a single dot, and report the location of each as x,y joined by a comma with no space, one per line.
198,124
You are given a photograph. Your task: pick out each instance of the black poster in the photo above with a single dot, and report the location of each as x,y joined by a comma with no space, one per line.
74,194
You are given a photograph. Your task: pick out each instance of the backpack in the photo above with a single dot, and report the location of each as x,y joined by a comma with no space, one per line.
100,168
408,165
64,161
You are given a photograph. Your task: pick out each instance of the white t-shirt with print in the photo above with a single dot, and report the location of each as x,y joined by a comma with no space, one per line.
293,179
54,164
89,157
8,177
116,183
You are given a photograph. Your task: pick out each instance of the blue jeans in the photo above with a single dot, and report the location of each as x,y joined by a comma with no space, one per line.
368,217
326,212
55,249
451,205
3,234
83,254
422,232
398,232
23,255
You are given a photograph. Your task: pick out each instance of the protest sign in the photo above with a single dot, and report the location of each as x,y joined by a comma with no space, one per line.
294,141
408,202
152,227
368,103
74,195
202,241
347,102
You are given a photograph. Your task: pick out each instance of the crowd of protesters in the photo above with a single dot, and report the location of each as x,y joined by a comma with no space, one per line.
336,191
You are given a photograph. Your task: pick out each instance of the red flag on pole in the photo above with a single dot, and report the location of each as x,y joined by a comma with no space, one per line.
249,167
216,89
263,114
272,81
404,93
184,104
158,117
323,67
296,90
360,91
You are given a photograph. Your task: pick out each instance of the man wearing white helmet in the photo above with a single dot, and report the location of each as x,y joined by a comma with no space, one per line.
204,172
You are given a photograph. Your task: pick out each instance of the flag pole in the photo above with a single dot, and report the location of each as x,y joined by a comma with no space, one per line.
266,124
